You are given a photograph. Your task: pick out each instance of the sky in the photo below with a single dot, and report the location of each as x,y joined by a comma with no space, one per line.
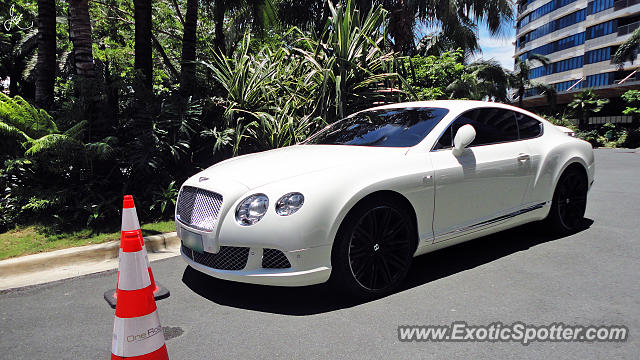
499,48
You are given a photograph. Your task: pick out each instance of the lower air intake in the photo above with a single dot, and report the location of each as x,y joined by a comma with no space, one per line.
274,259
228,258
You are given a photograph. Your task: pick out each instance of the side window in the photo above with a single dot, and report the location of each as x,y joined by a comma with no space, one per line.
446,140
492,126
529,127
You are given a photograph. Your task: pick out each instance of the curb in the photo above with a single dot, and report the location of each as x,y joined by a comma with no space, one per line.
66,257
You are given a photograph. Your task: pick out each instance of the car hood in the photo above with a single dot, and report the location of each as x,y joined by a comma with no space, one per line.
262,168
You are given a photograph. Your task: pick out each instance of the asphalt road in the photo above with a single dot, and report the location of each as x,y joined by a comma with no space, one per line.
591,277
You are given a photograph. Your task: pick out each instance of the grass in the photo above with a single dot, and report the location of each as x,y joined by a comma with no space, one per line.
28,240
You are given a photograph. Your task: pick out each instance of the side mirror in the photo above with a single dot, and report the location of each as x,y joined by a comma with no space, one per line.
464,137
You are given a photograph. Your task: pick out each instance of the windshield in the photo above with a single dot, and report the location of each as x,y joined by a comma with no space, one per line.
403,127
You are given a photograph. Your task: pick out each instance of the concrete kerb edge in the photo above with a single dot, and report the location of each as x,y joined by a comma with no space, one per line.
67,257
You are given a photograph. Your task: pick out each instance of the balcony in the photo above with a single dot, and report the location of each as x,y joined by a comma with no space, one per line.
621,4
628,29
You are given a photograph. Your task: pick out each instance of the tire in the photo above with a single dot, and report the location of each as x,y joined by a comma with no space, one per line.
569,202
373,249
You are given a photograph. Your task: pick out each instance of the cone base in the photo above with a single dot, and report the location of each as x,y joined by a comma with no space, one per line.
159,293
160,354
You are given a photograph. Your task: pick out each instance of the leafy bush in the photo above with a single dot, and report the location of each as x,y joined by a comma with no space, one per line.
630,139
591,136
561,120
429,76
611,135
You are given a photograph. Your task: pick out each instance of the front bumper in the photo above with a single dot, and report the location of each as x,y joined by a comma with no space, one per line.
307,268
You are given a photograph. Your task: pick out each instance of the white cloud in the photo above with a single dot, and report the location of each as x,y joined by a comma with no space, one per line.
503,55
499,49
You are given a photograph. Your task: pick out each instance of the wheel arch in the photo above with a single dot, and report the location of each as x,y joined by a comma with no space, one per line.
573,163
554,161
349,208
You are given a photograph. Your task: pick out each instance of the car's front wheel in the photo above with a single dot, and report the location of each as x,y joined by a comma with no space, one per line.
373,249
569,202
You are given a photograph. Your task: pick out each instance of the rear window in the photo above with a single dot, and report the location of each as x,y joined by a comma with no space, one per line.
382,128
529,127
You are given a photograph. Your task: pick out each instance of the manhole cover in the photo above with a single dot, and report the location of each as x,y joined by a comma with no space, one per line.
172,332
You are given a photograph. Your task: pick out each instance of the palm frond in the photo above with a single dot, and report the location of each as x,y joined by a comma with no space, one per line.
628,51
54,143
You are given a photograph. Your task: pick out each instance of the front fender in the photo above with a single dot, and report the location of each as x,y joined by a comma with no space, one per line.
329,196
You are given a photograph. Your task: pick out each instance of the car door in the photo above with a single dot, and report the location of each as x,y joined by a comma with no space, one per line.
487,181
530,133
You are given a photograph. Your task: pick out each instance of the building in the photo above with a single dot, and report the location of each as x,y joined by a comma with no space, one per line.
579,37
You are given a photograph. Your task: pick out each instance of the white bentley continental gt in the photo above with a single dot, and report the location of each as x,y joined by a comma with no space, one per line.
358,200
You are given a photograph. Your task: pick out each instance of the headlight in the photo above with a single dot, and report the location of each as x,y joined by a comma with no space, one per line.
289,204
252,209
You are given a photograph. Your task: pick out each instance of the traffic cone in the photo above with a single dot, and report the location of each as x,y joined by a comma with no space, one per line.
130,223
137,333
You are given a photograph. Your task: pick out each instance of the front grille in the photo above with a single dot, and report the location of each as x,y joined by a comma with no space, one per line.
274,259
198,208
228,258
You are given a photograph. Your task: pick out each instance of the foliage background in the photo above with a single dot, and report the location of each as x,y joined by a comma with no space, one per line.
266,74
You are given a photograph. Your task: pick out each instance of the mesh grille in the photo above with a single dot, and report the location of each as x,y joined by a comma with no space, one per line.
198,208
228,258
274,259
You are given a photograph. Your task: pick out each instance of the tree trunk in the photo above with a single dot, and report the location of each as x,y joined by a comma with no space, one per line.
218,18
46,63
143,51
585,122
401,23
165,59
521,97
187,78
143,64
80,33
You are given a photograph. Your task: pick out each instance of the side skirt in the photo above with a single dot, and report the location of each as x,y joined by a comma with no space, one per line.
487,223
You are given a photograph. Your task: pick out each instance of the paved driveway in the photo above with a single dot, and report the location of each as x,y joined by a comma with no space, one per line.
592,277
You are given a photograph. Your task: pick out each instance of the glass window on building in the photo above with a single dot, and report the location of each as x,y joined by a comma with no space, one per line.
602,29
597,6
599,80
597,55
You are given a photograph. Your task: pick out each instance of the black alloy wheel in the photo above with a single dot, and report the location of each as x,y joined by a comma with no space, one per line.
375,249
569,202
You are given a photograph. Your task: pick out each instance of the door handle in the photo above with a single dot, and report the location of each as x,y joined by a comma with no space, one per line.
523,157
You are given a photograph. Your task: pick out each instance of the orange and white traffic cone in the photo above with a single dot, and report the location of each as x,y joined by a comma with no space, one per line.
137,333
130,223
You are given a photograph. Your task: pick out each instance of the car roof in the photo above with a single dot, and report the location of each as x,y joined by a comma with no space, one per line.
458,105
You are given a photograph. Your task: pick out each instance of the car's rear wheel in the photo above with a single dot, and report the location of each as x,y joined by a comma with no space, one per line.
569,202
373,249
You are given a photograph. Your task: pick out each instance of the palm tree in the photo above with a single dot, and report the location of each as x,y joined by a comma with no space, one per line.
46,63
437,43
80,33
586,103
187,78
17,50
521,82
219,41
457,18
254,12
143,53
483,79
628,51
